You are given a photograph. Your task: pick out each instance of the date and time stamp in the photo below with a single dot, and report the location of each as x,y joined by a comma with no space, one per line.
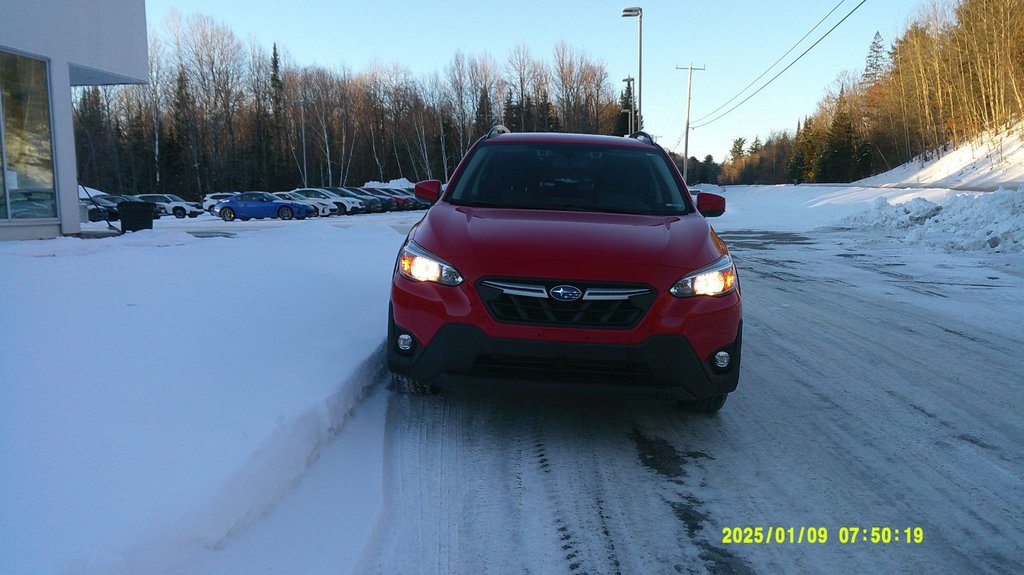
844,535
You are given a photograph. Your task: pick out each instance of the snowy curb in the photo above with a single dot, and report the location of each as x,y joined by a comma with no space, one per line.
254,490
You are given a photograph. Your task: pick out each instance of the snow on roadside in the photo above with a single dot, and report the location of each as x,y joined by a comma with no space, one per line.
985,164
991,221
195,381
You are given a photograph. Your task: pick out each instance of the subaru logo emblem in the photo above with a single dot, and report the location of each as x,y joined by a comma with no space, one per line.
566,293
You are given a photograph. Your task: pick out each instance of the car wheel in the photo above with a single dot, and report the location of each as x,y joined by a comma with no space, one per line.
179,213
408,385
285,213
227,214
707,405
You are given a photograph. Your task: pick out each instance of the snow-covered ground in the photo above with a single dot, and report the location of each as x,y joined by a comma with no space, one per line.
208,397
984,165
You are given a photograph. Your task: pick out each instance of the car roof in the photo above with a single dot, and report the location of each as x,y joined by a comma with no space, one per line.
560,138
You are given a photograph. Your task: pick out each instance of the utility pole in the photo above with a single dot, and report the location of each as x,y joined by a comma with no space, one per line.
686,134
302,113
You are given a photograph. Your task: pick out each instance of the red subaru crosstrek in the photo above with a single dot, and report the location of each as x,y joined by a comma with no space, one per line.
568,261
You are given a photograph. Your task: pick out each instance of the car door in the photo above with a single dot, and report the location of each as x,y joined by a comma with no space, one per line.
268,207
246,206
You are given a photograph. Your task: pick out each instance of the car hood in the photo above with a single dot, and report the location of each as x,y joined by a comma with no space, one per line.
492,241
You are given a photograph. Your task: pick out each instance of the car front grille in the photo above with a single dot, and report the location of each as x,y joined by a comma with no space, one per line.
531,301
569,371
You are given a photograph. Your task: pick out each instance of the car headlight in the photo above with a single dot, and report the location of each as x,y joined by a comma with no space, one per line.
716,279
417,264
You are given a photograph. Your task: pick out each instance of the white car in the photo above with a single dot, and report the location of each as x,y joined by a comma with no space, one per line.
323,208
346,206
172,204
210,200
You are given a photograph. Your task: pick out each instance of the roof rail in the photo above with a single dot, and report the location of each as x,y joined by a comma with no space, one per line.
497,131
643,137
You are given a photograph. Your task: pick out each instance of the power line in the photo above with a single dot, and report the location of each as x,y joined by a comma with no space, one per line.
744,101
769,68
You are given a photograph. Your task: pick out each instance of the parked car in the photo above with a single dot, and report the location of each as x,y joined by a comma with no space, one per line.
94,211
210,200
172,204
373,205
404,202
111,206
572,262
318,207
346,206
418,203
388,203
259,205
118,199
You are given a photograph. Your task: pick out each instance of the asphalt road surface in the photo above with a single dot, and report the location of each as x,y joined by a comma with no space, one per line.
880,399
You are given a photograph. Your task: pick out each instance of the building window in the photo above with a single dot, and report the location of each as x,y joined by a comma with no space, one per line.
26,145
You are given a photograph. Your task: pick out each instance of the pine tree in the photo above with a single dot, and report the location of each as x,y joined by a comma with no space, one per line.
513,112
876,62
484,120
837,160
709,170
736,152
626,110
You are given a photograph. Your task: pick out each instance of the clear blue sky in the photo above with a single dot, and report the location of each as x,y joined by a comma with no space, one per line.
736,41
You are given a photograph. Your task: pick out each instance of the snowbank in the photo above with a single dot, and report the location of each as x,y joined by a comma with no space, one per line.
399,183
991,221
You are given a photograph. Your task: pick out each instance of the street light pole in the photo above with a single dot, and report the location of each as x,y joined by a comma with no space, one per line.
638,12
302,115
632,104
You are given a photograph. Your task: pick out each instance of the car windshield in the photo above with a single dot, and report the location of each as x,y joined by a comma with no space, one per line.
175,198
546,176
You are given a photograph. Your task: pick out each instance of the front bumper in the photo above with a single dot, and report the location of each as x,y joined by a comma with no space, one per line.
661,366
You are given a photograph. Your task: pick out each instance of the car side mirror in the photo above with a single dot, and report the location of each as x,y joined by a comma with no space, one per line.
429,190
710,205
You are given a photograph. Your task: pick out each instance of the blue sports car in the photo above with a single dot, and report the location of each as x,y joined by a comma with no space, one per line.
259,205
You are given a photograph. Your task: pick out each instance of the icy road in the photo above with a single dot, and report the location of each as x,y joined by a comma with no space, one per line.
881,388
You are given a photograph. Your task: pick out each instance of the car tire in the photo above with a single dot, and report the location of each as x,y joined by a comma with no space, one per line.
707,405
179,213
409,386
227,214
285,213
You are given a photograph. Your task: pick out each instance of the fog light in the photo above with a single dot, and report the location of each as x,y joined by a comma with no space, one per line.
404,342
722,359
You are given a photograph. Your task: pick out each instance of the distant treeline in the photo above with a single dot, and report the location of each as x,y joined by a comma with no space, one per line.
955,73
221,116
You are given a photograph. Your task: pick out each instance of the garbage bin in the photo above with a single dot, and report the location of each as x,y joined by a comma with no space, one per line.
136,216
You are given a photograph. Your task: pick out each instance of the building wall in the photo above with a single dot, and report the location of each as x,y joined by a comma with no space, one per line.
108,36
85,42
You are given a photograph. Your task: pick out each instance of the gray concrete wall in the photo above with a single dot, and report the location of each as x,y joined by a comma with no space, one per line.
85,42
